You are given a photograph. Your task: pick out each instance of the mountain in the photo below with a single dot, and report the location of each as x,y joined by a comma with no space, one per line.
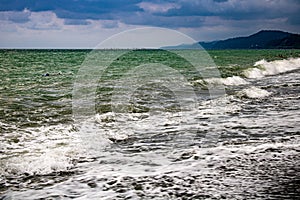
265,39
261,40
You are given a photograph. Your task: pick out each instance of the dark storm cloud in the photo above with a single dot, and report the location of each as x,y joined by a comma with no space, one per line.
184,13
237,9
171,22
220,0
234,10
86,6
74,9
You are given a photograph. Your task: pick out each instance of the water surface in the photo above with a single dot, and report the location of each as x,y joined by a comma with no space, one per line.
240,145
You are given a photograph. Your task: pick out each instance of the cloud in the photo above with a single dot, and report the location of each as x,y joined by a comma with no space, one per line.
109,24
219,1
46,20
157,7
17,17
74,9
169,22
155,12
237,9
202,19
76,22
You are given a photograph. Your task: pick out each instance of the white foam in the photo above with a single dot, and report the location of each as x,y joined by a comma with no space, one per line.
253,92
264,68
42,150
106,117
53,160
233,80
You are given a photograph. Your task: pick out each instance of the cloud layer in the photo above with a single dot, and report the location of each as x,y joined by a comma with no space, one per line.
209,17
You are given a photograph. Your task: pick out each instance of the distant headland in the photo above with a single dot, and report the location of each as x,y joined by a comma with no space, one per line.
265,39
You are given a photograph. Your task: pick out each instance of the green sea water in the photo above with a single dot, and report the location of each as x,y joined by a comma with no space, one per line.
256,121
28,98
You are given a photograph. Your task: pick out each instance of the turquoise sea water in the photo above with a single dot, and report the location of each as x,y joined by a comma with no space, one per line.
241,142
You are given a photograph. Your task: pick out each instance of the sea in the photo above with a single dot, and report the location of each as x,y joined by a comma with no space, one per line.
149,124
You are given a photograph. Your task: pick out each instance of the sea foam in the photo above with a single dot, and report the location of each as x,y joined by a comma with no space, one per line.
40,151
254,92
264,68
229,81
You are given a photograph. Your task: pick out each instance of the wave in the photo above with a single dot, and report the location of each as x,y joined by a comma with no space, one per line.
229,81
53,160
40,151
264,68
253,92
261,69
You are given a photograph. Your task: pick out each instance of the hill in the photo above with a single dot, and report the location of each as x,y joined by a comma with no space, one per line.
261,40
265,39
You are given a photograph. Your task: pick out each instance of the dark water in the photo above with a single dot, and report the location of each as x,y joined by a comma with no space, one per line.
240,144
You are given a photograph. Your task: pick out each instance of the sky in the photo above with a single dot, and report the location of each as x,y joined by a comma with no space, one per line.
86,23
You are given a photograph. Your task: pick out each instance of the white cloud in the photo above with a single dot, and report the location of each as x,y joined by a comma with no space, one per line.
157,8
46,30
17,17
44,21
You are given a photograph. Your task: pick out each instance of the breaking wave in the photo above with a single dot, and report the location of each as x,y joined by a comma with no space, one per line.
264,68
55,151
229,81
261,69
253,92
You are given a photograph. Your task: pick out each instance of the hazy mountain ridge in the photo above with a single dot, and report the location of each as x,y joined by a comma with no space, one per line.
261,40
265,39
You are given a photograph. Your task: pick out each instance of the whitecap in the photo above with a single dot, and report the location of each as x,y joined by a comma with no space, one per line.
265,68
229,81
254,92
53,160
